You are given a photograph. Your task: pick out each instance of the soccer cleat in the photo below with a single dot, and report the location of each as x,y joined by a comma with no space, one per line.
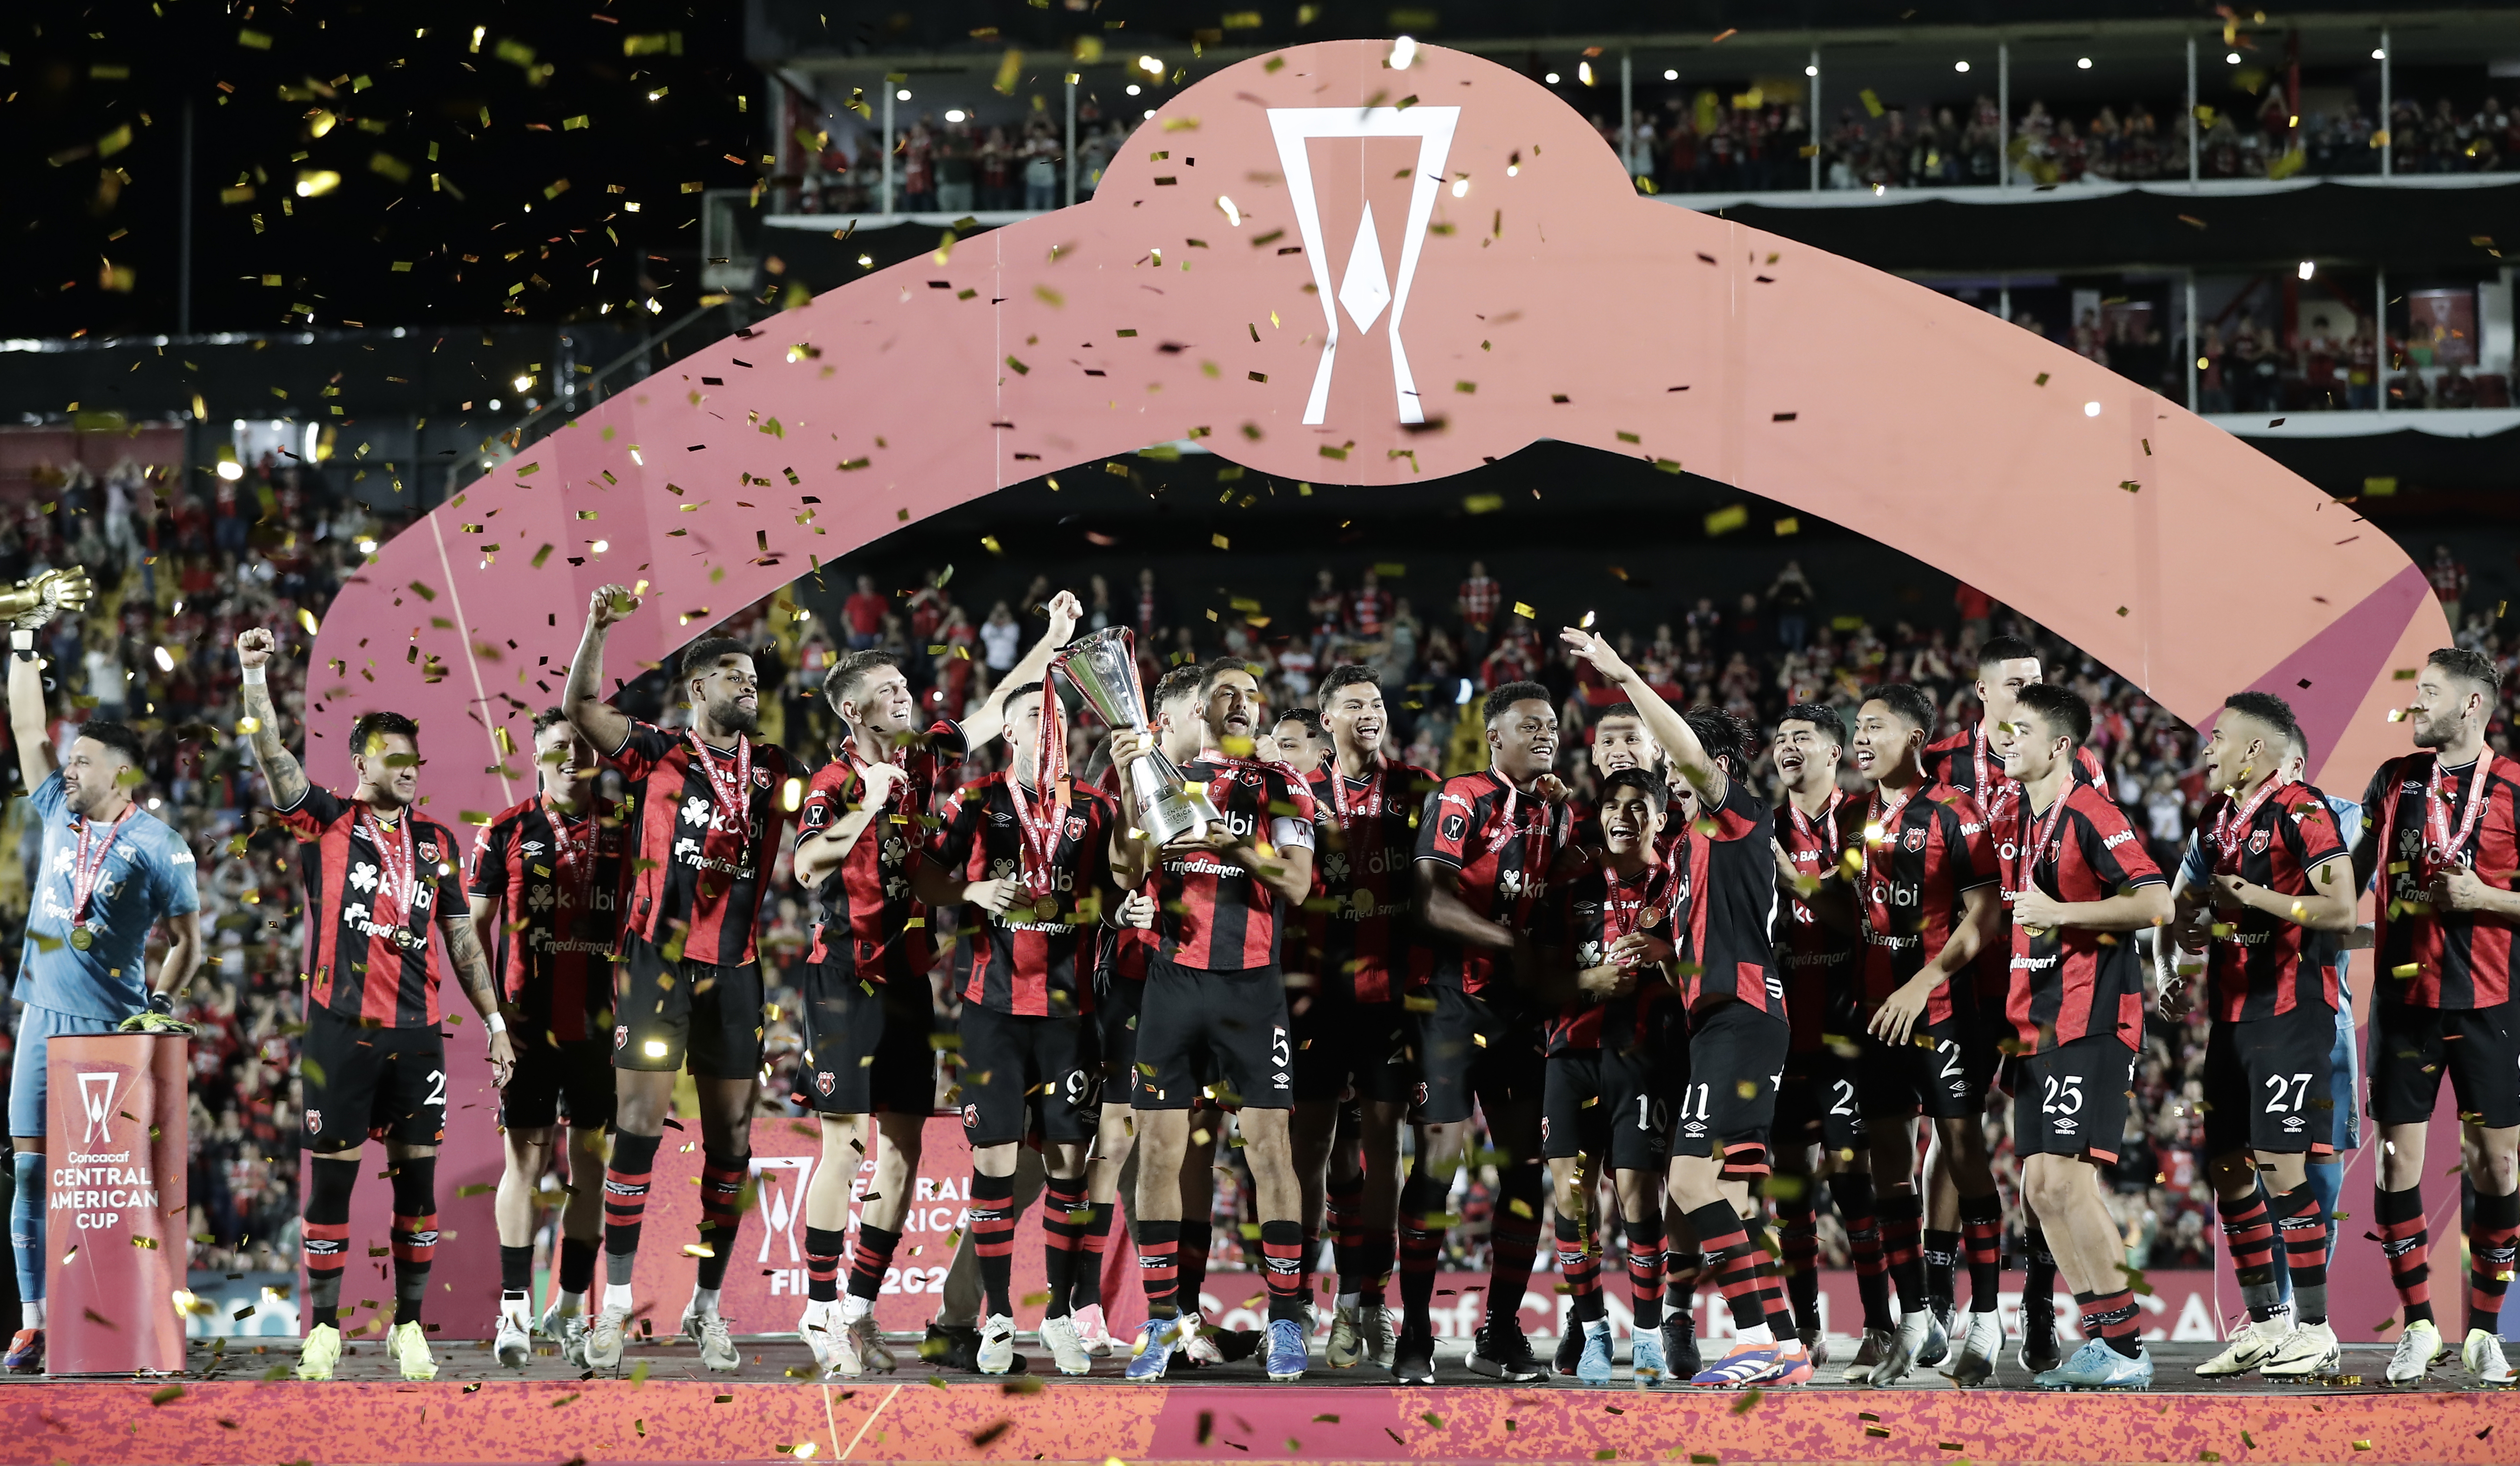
1592,1354
2252,1343
1376,1325
2307,1350
606,1338
1346,1349
1157,1339
1814,1345
997,1353
950,1346
1286,1357
1094,1332
819,1326
2483,1356
315,1357
1917,1335
1412,1357
2097,1366
1680,1356
409,1345
1501,1352
511,1344
27,1352
2039,1352
1645,1363
862,1332
1568,1361
2416,1348
569,1331
1199,1347
1759,1364
1067,1349
1938,1344
1981,1344
1876,1342
716,1340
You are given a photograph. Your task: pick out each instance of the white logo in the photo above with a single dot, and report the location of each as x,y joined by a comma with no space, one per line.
695,810
781,1185
1364,288
95,1099
364,876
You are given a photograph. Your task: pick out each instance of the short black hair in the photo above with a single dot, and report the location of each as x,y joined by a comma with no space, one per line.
2474,666
1820,716
1721,735
377,725
1179,682
1650,782
1208,674
1348,675
2267,708
1019,690
1906,700
1311,720
2059,709
701,656
2006,650
1507,695
1617,710
841,681
547,720
122,737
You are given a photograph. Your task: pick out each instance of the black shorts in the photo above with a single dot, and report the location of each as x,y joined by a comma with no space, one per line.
568,1082
2412,1047
1341,1043
1736,1056
1604,1105
2072,1100
2268,1086
1470,1051
1022,1073
358,1083
1817,1104
711,1013
867,1052
1940,1071
1232,1025
1117,1001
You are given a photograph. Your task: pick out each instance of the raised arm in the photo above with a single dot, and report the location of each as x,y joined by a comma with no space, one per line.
35,761
473,969
604,726
990,719
279,768
1669,728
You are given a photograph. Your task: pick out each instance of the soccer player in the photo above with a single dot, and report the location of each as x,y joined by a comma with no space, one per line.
869,1008
1488,845
1215,1001
2271,912
1303,743
2083,883
1971,760
110,872
690,989
1606,939
1033,854
553,864
1926,887
1817,1104
373,1063
1353,1036
1737,1031
2441,821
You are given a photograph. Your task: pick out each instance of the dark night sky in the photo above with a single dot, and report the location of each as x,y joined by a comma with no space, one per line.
93,117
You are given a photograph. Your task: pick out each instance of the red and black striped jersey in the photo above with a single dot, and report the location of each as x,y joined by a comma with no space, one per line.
1357,922
1585,915
699,868
2416,819
1968,763
1814,958
1024,960
1931,848
2260,966
1503,844
2071,982
373,898
1214,914
863,907
558,879
1732,904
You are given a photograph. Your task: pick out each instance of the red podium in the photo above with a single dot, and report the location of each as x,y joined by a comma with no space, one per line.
115,1203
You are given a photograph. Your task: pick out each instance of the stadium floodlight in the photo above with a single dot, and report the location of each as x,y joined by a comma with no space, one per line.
2308,268
1672,73
1403,50
1551,78
2083,64
1959,66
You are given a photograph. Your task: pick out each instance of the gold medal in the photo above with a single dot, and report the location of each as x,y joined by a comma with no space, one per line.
1046,909
81,938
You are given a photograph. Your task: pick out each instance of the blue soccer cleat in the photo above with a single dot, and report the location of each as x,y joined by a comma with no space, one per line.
1593,1367
1287,1357
2096,1366
1645,1362
1157,1338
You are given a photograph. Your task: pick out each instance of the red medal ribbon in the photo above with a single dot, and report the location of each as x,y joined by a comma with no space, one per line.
395,859
730,789
1372,806
1826,833
572,850
2031,848
1037,827
2440,845
1883,819
85,873
2229,830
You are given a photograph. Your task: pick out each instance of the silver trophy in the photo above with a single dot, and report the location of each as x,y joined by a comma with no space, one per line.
1103,667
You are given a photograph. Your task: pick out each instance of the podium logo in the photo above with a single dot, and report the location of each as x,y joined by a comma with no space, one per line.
1363,290
781,1191
96,1099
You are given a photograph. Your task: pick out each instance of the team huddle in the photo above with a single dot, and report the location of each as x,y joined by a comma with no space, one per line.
1740,1012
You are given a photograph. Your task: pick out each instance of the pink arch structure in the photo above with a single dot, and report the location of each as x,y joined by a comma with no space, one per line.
1331,269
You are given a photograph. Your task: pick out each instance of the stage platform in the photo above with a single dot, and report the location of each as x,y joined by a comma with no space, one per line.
476,1412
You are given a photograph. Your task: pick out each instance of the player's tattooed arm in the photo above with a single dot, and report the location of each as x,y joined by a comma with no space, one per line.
473,969
279,768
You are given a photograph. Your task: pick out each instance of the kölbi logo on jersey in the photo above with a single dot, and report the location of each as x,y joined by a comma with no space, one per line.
96,1101
1364,288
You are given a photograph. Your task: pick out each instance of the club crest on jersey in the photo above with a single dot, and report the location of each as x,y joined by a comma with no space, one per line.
621,1036
2258,842
314,1122
1915,841
1076,826
822,1082
761,779
970,1117
429,850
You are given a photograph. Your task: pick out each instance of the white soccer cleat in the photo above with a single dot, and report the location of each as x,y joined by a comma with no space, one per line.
1067,1349
1197,1346
1094,1333
1981,1344
320,1353
819,1326
2252,1343
512,1346
1346,1348
2483,1356
2309,1350
606,1338
715,1339
2416,1348
409,1345
997,1353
